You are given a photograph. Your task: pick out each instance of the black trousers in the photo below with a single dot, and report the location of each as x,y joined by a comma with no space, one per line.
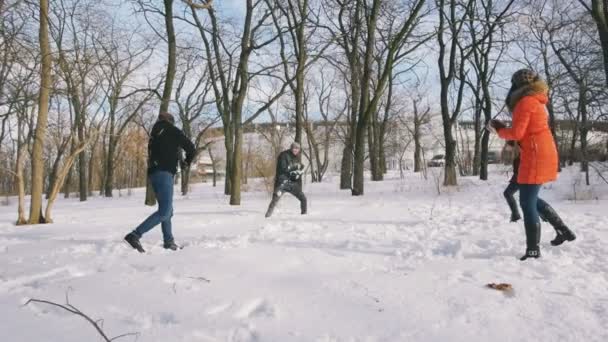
287,187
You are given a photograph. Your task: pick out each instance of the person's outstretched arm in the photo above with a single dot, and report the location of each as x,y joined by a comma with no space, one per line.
521,120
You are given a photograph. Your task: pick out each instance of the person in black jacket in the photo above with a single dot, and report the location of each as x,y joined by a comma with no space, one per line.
163,155
287,178
545,211
513,187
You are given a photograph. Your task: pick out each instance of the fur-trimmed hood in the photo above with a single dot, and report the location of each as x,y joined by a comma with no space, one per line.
538,87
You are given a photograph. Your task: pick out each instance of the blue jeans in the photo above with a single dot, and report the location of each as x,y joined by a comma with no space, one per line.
162,183
529,201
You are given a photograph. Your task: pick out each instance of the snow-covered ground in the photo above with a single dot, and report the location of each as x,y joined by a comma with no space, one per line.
401,263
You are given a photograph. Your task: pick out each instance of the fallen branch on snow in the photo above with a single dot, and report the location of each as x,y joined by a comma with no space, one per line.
97,324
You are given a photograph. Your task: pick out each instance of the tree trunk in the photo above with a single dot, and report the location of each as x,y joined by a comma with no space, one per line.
487,113
237,167
91,169
82,165
42,120
365,112
53,175
359,162
478,137
171,57
185,180
450,161
346,167
450,143
582,102
417,143
417,153
229,145
228,176
169,78
21,153
372,151
213,166
109,177
68,183
599,11
61,178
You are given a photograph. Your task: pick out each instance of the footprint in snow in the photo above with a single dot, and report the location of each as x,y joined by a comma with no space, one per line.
256,308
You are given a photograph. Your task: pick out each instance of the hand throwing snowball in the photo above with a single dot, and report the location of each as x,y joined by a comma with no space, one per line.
163,155
287,178
526,100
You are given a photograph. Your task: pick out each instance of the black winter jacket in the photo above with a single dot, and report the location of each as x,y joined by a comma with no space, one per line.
286,163
163,147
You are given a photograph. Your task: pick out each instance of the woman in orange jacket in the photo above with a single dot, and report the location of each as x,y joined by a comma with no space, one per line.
538,159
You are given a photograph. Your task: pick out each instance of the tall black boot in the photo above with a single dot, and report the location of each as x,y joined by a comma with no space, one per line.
548,214
515,216
303,206
532,241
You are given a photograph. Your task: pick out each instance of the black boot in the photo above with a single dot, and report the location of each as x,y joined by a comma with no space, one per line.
303,207
515,216
562,237
564,234
170,245
531,253
133,240
532,241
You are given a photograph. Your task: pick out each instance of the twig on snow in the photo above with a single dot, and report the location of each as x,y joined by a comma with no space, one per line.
73,310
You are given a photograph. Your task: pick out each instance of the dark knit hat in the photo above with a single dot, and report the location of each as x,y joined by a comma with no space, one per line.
164,116
523,77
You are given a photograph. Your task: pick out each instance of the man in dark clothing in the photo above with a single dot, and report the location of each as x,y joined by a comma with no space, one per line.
287,178
545,211
163,154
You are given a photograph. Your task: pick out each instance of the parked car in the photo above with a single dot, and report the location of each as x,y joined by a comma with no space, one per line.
438,160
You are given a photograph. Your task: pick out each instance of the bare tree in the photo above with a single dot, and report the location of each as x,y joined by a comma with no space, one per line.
192,101
486,22
73,28
230,85
124,56
320,139
570,42
453,15
414,124
599,11
371,95
41,122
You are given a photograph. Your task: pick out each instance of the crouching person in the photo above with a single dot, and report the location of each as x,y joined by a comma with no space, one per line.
287,178
163,154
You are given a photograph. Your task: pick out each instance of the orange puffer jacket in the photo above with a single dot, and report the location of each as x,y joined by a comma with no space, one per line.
531,129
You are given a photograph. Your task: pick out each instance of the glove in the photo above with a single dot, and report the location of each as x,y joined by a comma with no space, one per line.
491,128
295,167
295,175
497,124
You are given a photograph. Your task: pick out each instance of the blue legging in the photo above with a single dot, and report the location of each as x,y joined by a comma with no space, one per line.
528,200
